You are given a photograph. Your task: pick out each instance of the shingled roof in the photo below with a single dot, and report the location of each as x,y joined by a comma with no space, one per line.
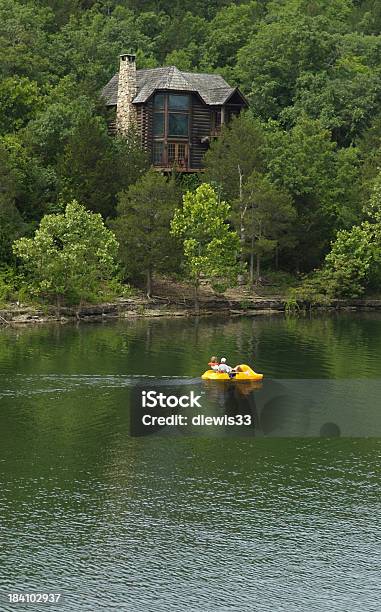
212,88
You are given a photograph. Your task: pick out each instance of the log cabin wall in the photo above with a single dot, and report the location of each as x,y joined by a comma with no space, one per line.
143,126
111,120
200,129
140,123
148,109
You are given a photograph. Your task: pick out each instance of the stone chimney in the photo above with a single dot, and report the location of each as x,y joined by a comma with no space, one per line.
127,89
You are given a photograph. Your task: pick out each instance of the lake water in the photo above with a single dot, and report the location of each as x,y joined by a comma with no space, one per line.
282,515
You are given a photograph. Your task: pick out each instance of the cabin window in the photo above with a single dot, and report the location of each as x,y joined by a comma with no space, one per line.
158,124
158,150
178,115
158,101
177,102
178,124
171,152
177,153
171,113
216,120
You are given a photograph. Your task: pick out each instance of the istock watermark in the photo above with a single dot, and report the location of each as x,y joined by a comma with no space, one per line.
323,408
177,409
153,399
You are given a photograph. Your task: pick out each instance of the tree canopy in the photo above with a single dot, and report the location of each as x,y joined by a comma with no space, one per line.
311,71
70,255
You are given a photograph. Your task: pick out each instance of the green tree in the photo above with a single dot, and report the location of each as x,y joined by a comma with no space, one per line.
348,265
88,45
179,7
228,32
275,57
233,156
70,256
211,248
19,102
344,99
24,40
303,163
35,183
269,214
142,226
366,17
48,132
11,224
94,167
182,40
354,263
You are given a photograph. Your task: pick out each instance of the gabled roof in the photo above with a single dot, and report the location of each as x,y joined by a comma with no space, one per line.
212,88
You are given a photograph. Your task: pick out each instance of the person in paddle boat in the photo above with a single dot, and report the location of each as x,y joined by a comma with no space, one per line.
224,367
214,363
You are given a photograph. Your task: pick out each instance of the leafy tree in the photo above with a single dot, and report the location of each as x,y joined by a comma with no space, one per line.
366,17
303,163
228,32
181,41
62,10
88,45
19,101
336,12
348,263
210,247
11,225
233,156
182,59
261,212
24,40
93,166
70,256
269,214
179,7
343,99
347,192
354,262
369,149
35,184
142,226
271,63
48,133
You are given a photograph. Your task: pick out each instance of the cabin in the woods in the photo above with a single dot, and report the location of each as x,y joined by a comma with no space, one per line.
176,113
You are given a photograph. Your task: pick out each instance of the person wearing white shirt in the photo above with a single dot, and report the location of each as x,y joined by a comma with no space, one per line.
224,367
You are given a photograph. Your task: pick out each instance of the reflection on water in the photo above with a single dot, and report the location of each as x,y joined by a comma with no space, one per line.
284,516
346,346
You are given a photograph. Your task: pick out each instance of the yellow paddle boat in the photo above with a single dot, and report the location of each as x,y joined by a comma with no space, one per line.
245,373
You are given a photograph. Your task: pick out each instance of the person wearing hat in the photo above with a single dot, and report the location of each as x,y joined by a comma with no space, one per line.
224,367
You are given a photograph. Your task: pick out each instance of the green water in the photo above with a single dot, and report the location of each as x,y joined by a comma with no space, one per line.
279,518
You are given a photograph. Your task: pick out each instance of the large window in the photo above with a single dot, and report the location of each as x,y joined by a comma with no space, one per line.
170,128
178,124
158,151
178,115
177,153
159,116
178,102
158,125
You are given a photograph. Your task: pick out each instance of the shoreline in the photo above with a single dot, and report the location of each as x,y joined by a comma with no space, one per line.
132,308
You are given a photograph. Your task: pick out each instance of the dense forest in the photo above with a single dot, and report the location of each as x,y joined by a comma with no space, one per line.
299,170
